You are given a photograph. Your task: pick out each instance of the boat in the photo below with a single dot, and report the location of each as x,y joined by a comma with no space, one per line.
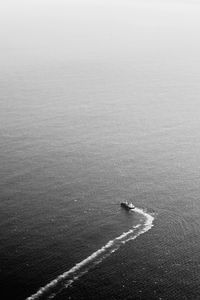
127,205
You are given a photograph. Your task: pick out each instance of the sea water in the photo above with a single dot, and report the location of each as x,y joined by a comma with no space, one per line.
76,140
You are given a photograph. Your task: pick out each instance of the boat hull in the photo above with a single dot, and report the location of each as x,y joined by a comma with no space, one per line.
127,206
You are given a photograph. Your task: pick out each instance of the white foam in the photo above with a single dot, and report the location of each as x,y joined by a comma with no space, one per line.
97,257
124,234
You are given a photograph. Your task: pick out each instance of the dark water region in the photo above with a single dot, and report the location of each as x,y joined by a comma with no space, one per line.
76,140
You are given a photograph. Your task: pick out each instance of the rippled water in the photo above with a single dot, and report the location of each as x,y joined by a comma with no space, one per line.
67,279
76,140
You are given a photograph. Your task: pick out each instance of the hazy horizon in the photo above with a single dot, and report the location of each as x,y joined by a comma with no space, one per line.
97,30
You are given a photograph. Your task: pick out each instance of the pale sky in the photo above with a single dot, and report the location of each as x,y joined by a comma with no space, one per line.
96,29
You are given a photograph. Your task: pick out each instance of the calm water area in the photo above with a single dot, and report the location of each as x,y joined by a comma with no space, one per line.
77,139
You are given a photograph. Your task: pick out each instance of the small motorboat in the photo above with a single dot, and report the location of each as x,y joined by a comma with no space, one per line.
127,205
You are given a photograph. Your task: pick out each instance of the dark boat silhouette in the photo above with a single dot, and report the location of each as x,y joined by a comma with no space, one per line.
127,205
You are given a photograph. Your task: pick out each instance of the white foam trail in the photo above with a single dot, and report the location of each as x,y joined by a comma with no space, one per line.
64,280
149,219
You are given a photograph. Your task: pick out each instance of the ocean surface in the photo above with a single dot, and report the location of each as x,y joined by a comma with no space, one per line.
78,138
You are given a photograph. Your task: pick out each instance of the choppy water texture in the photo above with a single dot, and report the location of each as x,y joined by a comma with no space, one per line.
67,279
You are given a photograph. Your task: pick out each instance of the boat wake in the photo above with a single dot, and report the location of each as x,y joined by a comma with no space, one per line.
67,279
